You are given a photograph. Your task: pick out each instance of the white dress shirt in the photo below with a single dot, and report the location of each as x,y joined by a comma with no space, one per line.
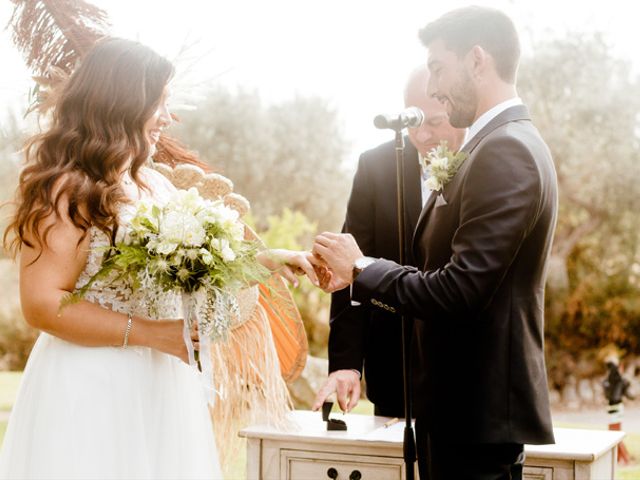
423,180
489,115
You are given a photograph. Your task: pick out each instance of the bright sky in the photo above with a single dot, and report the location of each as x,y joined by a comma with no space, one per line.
355,53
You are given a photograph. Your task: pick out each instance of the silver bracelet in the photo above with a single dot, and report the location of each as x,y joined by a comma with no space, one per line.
127,331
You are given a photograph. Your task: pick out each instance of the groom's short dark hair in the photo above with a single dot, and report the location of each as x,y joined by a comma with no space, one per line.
463,28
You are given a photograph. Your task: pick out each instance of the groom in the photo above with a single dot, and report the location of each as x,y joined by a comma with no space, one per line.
482,244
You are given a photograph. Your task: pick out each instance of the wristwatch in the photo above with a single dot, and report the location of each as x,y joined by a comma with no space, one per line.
360,264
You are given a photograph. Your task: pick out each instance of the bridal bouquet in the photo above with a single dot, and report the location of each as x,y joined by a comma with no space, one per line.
188,245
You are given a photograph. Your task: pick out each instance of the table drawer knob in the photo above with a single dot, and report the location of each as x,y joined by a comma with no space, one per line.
332,473
355,475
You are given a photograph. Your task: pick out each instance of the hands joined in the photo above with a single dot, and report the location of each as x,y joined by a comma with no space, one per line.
329,264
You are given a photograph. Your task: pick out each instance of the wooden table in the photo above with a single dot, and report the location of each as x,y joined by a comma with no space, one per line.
367,450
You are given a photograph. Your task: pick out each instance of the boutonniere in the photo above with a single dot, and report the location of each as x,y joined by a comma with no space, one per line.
441,164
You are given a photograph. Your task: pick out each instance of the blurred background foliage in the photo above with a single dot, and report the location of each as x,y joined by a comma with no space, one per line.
586,103
287,155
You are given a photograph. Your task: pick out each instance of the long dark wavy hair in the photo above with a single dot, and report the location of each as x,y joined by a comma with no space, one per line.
97,130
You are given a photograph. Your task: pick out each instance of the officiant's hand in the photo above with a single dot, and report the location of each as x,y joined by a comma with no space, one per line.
290,264
346,385
339,251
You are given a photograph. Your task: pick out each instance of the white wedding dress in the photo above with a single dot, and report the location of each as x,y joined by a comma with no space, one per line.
110,413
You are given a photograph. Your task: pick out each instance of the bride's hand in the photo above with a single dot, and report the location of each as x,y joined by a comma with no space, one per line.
166,336
290,263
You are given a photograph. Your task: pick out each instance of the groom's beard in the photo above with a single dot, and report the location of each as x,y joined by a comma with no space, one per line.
464,102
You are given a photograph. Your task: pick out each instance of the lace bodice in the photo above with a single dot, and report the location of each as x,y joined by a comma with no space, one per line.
116,294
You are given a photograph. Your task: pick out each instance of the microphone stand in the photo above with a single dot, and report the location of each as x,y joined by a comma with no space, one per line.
414,117
409,444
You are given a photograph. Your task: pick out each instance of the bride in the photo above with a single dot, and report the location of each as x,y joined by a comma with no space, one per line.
106,392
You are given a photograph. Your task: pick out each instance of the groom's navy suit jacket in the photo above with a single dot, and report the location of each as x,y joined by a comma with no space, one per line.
482,244
360,335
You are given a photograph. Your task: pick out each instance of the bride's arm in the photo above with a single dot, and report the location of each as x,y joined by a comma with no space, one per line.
48,275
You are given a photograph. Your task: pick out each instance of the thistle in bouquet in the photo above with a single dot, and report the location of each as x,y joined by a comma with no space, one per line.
192,246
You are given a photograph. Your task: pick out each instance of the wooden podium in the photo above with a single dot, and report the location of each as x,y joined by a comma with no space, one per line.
369,451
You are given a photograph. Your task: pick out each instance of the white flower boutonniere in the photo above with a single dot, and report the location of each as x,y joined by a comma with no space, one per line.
442,164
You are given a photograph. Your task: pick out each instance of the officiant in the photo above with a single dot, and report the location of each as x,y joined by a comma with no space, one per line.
363,340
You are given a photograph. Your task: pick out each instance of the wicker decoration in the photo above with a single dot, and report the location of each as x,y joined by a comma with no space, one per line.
247,302
186,176
214,186
237,202
165,170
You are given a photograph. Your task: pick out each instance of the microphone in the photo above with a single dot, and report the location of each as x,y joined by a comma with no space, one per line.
411,117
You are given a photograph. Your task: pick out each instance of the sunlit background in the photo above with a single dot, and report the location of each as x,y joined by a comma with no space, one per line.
355,53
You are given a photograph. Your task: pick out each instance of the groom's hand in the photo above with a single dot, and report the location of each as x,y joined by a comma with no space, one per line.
346,385
339,251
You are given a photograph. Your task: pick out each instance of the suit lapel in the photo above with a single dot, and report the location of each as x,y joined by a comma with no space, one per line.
421,222
512,114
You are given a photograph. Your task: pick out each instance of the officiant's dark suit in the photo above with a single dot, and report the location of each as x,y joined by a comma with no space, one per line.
478,298
360,335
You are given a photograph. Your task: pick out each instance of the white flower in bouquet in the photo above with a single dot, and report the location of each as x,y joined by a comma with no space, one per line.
144,215
180,228
223,247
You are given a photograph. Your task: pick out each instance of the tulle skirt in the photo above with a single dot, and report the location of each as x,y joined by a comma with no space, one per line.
108,413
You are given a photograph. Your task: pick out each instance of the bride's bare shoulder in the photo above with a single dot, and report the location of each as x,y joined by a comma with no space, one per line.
55,239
